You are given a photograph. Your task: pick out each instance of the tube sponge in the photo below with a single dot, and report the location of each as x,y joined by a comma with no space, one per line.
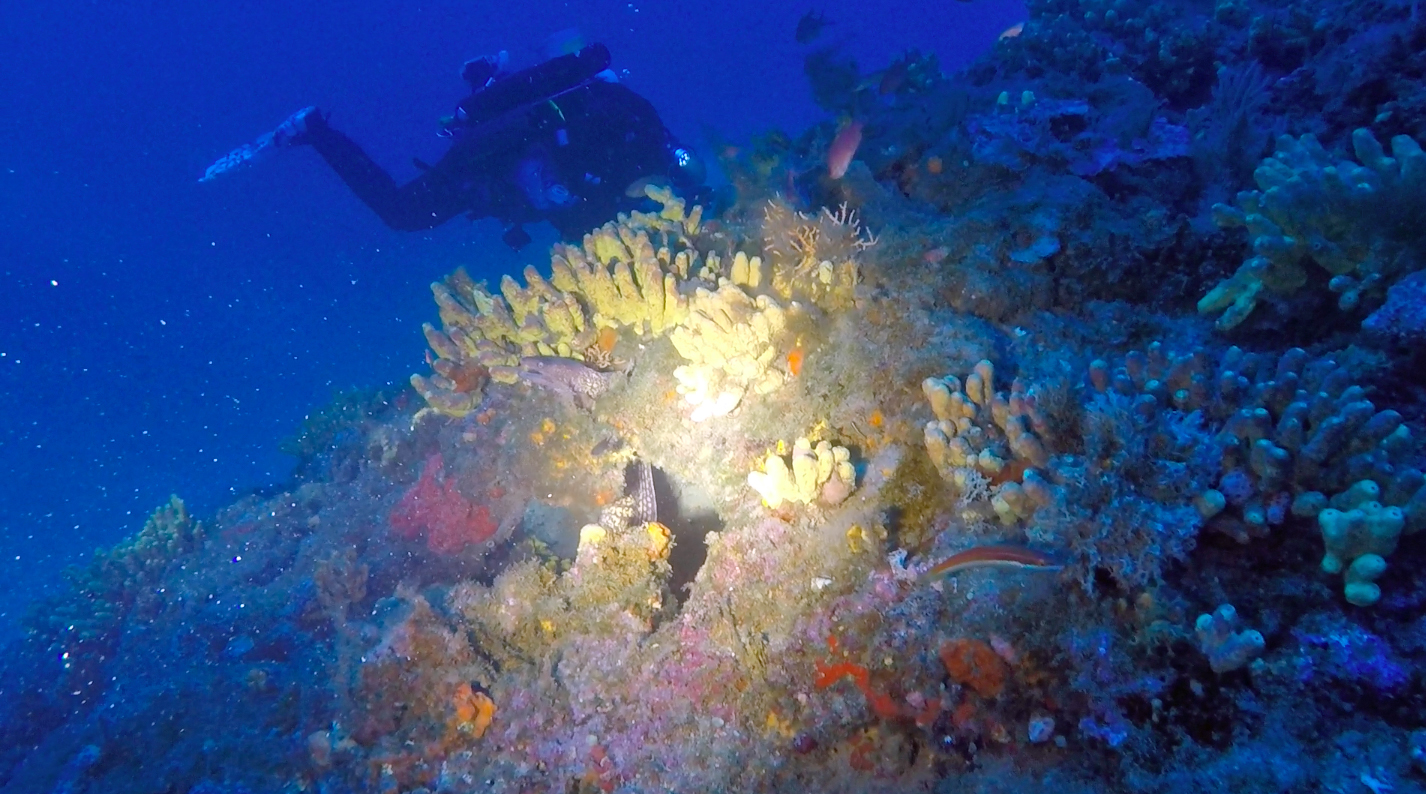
980,429
730,341
1358,541
1227,648
824,472
1309,208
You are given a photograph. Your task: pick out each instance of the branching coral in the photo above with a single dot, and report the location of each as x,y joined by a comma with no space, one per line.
1356,221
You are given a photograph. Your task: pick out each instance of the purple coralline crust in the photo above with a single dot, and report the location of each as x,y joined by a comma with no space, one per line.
1404,313
1042,130
1336,650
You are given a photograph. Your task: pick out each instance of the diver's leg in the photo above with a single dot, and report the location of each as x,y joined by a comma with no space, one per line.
423,203
367,180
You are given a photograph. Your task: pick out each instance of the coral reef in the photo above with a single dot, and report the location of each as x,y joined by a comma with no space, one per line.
699,509
616,279
1092,477
653,274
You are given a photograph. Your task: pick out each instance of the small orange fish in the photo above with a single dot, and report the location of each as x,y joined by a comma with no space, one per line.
794,361
936,255
992,556
843,148
1012,31
606,339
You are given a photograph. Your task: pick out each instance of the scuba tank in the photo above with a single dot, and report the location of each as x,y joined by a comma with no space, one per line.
524,90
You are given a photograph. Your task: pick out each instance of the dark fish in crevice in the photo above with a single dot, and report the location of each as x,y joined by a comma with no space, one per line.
638,505
570,380
609,446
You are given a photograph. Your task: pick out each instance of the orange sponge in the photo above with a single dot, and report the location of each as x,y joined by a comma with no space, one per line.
474,710
975,664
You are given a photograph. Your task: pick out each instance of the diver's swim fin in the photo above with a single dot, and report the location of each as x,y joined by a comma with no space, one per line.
293,131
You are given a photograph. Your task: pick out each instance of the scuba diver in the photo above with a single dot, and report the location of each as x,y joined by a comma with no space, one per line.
562,141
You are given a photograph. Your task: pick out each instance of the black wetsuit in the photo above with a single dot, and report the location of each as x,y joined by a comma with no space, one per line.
592,137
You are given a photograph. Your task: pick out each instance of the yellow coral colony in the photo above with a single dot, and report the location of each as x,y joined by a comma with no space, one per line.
824,472
643,272
729,341
626,274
